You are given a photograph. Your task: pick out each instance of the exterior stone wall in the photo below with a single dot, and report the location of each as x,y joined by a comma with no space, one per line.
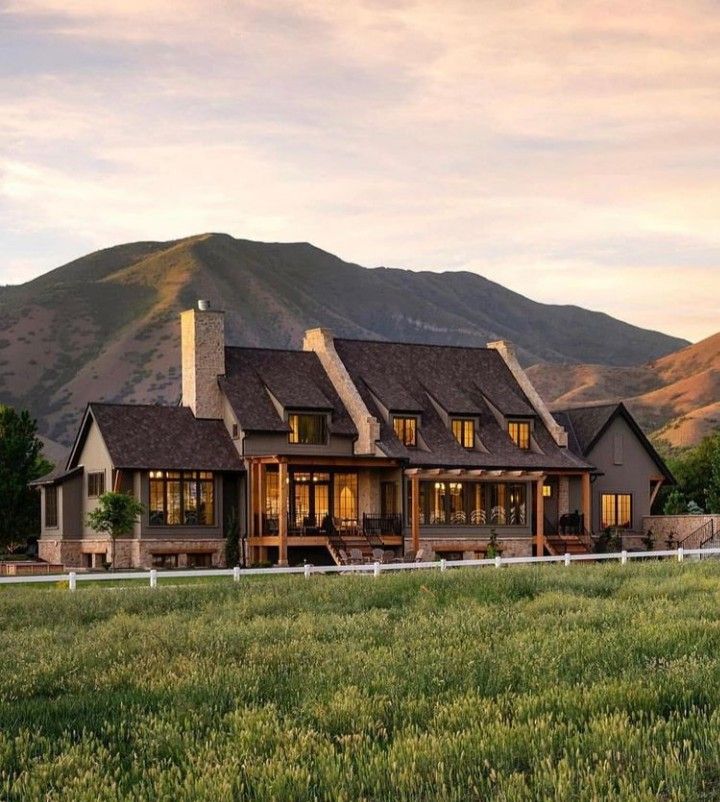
680,526
437,548
129,552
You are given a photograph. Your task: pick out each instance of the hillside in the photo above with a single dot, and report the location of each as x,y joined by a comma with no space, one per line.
105,326
677,397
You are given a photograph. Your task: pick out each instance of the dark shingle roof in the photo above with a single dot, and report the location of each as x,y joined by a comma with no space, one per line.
140,436
462,381
586,425
295,378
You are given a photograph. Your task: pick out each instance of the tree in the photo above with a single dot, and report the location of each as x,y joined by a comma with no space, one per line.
20,463
115,515
675,503
698,474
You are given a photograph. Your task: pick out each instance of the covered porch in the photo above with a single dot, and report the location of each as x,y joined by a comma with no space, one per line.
336,503
460,509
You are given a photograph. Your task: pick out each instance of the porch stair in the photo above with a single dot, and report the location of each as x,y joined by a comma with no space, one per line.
558,545
347,542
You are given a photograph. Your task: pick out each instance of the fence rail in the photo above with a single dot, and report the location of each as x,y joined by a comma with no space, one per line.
376,569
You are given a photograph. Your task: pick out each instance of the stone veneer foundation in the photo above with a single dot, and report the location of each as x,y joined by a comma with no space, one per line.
129,553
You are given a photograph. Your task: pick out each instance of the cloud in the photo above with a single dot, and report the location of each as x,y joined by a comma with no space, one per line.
569,150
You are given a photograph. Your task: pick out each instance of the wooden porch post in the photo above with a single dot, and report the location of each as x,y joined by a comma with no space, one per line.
260,499
586,502
282,513
415,512
539,518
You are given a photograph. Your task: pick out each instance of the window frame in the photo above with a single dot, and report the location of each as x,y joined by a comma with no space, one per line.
182,478
51,491
463,425
616,508
294,433
402,430
521,424
94,478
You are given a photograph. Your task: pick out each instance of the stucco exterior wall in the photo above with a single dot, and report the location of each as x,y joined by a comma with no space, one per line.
632,476
94,457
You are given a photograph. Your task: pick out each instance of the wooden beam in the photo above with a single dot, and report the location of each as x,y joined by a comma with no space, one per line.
415,512
587,502
539,518
282,513
261,498
655,491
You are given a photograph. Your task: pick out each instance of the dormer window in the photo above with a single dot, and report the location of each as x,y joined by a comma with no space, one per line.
307,429
519,432
463,430
406,430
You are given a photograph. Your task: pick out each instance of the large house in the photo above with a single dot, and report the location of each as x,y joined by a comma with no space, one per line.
346,444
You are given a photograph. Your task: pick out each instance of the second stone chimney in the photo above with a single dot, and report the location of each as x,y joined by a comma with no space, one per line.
203,359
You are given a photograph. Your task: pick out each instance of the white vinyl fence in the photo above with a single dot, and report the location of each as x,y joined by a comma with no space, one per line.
375,569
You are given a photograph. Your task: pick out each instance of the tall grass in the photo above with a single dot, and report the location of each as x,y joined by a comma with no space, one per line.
545,683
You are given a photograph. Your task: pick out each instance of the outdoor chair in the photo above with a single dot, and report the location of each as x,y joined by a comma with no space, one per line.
356,557
420,556
378,555
409,556
344,556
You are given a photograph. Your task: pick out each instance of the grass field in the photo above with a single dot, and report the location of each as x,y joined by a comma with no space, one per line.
549,683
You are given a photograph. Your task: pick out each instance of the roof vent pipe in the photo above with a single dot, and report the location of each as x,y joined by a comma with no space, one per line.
203,305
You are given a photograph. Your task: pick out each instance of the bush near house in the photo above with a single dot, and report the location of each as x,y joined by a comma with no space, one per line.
581,683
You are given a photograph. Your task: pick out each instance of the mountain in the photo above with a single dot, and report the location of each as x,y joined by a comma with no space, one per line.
105,326
676,397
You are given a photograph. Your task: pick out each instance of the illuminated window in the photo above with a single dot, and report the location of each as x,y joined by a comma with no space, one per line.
616,510
307,429
345,494
519,432
547,491
464,432
182,498
406,430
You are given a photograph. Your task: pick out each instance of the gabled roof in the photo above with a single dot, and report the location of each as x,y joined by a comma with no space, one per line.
297,379
56,476
586,425
463,381
139,436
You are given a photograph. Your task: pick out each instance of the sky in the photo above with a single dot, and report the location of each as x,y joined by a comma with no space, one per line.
568,150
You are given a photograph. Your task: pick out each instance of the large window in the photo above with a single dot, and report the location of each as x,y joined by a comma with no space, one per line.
519,432
96,484
472,504
307,429
51,505
345,492
406,430
182,498
464,432
616,510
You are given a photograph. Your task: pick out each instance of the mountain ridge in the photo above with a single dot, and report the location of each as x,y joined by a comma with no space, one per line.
104,326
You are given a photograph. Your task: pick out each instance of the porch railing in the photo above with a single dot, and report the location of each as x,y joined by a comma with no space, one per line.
387,524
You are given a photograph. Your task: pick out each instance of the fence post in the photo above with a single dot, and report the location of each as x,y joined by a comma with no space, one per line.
567,560
498,561
153,578
681,554
443,564
307,570
236,573
623,557
376,570
72,580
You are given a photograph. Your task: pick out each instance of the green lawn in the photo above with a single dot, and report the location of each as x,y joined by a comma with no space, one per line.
549,683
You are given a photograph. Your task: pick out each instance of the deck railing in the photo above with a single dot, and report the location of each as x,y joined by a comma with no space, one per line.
374,524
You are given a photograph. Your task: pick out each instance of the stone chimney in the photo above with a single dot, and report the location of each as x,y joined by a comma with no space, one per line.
507,351
203,359
322,342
